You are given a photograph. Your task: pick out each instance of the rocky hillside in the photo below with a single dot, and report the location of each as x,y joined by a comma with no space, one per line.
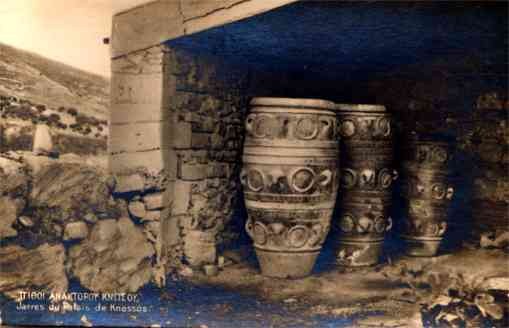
73,103
28,76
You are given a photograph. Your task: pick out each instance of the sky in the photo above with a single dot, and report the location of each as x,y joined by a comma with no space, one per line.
69,31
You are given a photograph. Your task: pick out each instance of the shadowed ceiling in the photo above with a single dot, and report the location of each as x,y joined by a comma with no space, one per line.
355,40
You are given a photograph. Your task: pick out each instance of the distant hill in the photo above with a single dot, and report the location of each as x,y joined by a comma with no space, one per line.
43,81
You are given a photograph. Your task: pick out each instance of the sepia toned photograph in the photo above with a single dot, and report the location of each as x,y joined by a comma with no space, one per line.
254,163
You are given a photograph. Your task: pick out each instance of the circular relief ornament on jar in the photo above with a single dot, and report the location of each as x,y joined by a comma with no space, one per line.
422,153
385,178
326,128
348,178
438,191
347,223
347,128
367,178
431,229
384,126
316,234
298,236
302,179
439,155
255,180
259,233
380,224
251,118
265,126
307,128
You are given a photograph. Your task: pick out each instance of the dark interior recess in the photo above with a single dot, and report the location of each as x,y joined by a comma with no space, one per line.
426,61
334,48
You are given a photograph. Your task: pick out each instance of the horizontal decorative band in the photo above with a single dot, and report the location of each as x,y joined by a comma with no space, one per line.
354,241
421,238
312,146
287,250
332,161
285,198
292,207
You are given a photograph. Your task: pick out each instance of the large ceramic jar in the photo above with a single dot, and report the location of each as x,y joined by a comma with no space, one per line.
367,175
427,191
290,181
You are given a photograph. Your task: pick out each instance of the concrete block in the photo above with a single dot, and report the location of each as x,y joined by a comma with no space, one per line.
124,163
144,61
200,140
217,170
136,88
171,231
192,172
132,113
146,26
182,197
137,136
182,137
224,12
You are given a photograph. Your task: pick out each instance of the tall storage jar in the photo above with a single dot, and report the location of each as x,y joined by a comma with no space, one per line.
290,181
363,212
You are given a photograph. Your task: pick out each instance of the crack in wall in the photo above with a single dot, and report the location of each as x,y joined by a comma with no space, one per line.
208,13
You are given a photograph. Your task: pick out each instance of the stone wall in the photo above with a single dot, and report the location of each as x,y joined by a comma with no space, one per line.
464,100
207,110
175,140
59,222
488,143
140,140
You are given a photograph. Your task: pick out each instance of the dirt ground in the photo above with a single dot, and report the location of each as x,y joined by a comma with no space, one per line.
366,296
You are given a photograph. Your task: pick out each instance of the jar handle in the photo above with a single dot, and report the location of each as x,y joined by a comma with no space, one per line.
389,224
395,175
249,228
249,123
328,177
442,228
243,177
450,193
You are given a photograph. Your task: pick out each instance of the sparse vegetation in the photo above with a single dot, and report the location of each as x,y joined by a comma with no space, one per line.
40,108
11,107
453,299
72,111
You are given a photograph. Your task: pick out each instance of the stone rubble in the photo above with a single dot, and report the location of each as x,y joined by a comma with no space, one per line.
75,231
70,190
137,209
69,199
23,269
9,212
116,257
153,201
26,221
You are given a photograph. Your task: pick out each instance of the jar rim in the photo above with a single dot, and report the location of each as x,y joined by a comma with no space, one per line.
292,102
360,107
